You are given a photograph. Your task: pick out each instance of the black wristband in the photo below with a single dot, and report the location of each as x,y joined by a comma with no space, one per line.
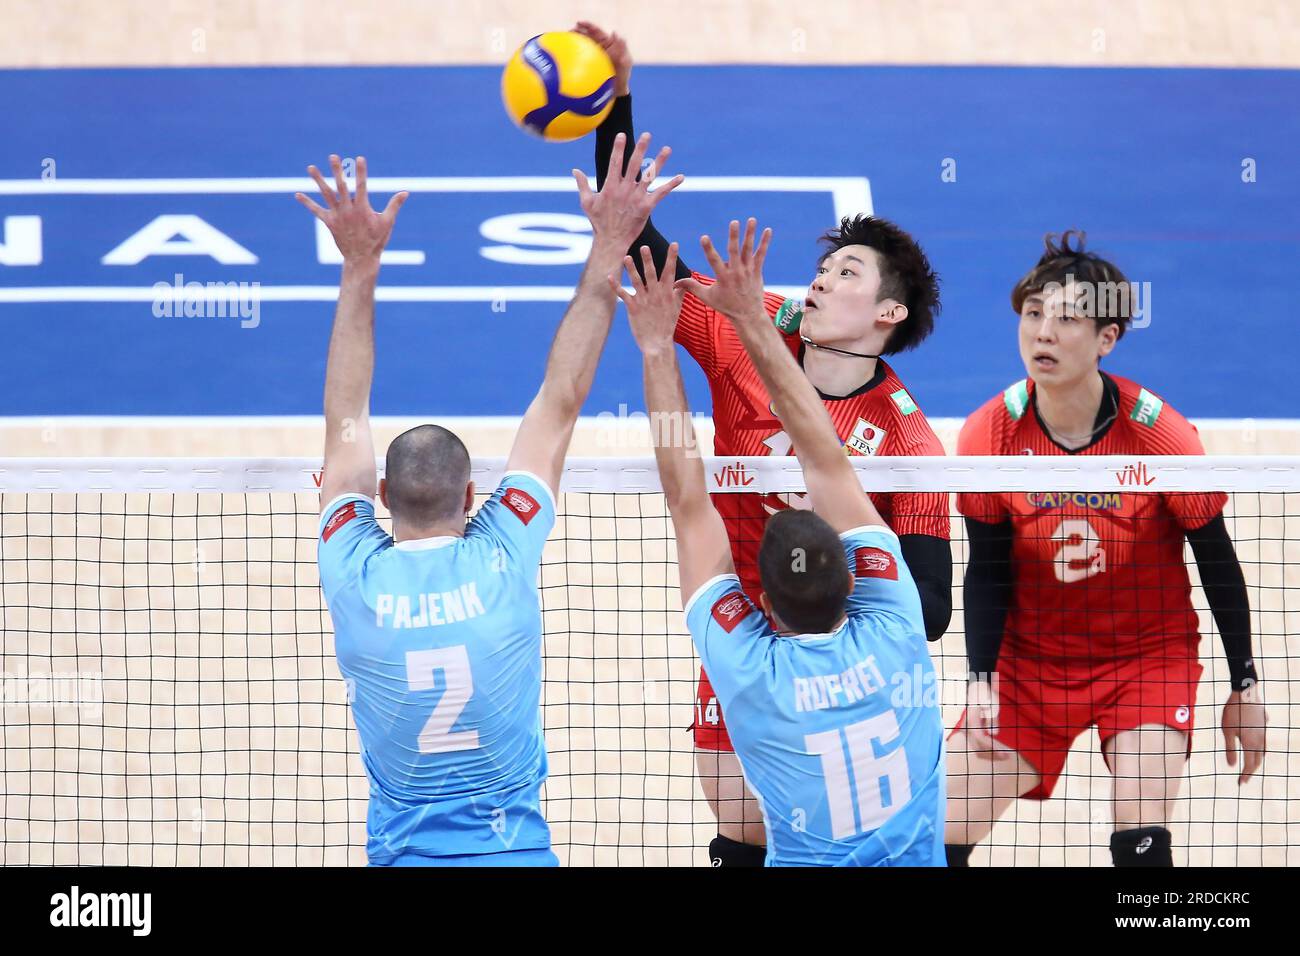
1242,673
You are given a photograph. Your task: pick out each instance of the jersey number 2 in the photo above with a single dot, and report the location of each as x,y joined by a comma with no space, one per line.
864,771
458,685
1081,555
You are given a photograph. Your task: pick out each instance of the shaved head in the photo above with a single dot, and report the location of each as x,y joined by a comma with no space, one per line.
426,473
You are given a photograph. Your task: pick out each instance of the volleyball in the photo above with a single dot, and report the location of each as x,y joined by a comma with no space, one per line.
558,86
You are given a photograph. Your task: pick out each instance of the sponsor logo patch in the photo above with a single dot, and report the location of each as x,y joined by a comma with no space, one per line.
1182,713
904,401
338,519
789,316
1147,409
1099,500
866,438
1016,398
730,609
521,503
875,563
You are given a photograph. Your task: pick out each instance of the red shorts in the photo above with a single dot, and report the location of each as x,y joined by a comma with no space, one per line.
710,726
1043,705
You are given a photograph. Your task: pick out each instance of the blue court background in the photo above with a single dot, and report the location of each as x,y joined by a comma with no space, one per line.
1148,161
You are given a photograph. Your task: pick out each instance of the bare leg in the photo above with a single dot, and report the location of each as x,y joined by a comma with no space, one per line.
980,788
1146,766
737,811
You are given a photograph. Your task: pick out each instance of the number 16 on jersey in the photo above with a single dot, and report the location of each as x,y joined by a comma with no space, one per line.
849,763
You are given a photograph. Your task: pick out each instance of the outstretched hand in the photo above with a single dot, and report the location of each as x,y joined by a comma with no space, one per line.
358,231
738,290
619,211
616,47
653,303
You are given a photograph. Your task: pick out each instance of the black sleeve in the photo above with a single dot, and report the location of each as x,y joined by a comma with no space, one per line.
987,592
618,121
1225,589
930,561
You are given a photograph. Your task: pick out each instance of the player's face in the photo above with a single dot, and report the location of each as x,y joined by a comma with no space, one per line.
1059,344
843,303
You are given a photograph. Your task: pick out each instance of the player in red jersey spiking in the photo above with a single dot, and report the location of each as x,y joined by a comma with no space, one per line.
873,294
1078,606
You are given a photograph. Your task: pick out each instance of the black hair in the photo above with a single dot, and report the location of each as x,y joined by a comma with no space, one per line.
1064,260
803,570
905,274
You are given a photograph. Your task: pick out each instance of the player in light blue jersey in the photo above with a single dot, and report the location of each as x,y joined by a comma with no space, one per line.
438,628
829,689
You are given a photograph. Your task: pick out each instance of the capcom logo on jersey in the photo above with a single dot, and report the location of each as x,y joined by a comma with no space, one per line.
730,610
1098,501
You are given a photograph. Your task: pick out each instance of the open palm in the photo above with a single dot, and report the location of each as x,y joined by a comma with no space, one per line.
358,230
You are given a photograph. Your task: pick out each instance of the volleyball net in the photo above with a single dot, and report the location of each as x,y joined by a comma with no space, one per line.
170,694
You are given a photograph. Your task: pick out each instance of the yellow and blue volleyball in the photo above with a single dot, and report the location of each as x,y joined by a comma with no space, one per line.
558,86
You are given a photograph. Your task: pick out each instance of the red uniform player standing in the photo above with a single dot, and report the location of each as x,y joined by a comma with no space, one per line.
1078,606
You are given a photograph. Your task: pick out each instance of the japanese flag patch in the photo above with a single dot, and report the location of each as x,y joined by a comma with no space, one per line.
866,438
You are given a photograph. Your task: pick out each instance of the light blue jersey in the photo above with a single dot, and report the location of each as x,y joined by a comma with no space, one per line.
440,642
839,735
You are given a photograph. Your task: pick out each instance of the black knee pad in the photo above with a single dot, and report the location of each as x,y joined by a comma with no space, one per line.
1145,846
726,852
958,853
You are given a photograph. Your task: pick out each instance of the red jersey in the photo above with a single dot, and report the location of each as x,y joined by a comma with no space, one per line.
878,419
1097,574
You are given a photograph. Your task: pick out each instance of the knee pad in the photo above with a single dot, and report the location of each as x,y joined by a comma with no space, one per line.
958,854
727,852
1145,846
